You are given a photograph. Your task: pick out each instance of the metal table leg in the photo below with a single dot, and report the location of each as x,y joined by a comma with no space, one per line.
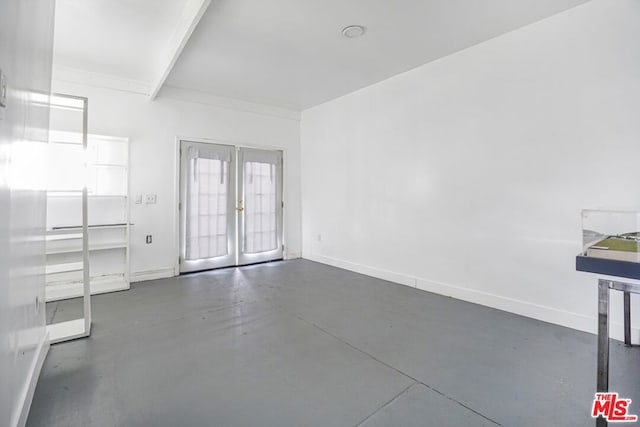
603,342
627,318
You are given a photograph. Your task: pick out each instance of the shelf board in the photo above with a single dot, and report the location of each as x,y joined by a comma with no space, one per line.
65,331
64,268
62,229
108,246
64,193
65,142
74,193
71,236
63,233
99,285
108,165
93,248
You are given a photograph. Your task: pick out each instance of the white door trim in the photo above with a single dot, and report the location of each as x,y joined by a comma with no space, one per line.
176,186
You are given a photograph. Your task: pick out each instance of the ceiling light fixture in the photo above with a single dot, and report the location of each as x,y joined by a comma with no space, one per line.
353,31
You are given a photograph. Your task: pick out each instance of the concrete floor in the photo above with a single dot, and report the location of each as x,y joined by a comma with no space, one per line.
297,343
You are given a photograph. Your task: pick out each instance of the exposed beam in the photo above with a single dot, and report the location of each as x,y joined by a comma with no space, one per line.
193,11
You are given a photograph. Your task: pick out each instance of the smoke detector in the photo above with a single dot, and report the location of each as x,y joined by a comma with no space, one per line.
353,31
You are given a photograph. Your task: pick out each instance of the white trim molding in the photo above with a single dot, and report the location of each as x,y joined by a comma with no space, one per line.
93,79
163,273
292,255
26,396
206,98
81,77
523,308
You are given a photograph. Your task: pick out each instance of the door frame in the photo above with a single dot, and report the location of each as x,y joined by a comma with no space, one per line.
225,260
176,188
245,258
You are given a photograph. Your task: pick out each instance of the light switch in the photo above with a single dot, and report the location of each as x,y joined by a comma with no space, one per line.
150,199
138,199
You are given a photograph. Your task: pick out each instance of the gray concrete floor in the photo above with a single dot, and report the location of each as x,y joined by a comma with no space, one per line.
297,343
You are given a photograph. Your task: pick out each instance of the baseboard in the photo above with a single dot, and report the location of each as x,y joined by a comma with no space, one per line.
26,396
163,273
523,308
378,273
292,255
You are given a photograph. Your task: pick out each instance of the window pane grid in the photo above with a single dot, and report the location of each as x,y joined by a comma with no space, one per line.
260,219
207,198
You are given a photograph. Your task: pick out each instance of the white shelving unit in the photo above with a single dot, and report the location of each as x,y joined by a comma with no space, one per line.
108,219
71,112
108,254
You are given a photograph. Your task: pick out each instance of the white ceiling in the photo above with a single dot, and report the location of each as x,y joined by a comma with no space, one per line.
285,53
123,38
290,53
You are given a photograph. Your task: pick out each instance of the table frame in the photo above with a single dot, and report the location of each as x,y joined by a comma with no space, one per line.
604,287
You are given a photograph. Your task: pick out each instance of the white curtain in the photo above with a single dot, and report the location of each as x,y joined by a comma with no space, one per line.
207,203
260,197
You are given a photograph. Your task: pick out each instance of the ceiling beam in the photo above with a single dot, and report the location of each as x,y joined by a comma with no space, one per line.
193,11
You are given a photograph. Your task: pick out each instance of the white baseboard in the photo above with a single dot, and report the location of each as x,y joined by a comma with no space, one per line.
511,305
378,273
292,255
26,397
163,273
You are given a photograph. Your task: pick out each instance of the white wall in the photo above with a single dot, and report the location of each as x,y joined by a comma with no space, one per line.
152,127
466,176
26,39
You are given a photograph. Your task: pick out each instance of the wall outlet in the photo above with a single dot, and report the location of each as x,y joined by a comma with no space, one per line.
151,199
138,200
3,89
149,239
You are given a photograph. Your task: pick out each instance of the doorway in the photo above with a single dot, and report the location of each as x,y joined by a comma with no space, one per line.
230,206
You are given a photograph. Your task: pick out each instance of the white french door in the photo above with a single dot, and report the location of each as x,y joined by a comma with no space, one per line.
259,205
207,206
223,224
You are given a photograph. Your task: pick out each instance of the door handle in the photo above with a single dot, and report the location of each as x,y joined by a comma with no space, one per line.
240,209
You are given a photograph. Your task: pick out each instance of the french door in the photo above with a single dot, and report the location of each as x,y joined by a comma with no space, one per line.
207,206
259,205
230,206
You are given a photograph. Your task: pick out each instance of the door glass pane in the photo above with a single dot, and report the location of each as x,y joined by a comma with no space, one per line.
207,199
260,219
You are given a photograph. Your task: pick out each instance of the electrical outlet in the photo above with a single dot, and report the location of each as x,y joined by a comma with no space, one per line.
3,89
138,200
151,199
149,239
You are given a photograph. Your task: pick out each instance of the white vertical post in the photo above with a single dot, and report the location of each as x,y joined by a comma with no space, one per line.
86,276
